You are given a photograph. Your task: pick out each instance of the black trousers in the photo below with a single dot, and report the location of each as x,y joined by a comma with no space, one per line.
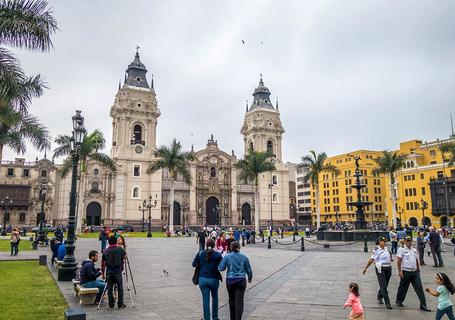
394,247
383,280
437,258
116,278
414,278
236,294
421,255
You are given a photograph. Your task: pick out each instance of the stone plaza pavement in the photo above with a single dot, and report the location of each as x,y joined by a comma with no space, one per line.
288,284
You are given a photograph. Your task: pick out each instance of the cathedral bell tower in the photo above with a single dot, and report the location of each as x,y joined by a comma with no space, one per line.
262,131
134,120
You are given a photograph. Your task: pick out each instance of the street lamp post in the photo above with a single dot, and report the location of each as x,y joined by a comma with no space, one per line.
271,205
42,195
185,207
68,269
423,206
7,202
150,206
143,208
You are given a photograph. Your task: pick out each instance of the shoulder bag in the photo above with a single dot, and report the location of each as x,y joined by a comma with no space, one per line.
196,271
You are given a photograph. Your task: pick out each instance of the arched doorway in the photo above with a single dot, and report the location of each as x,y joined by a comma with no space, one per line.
427,221
212,211
443,221
301,220
246,214
93,214
177,213
413,222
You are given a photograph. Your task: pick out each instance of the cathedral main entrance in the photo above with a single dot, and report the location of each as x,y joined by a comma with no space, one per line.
93,215
177,214
212,211
246,214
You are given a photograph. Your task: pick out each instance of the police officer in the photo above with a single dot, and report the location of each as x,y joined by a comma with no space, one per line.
382,260
409,271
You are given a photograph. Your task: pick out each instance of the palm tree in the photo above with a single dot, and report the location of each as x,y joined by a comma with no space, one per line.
254,163
176,162
88,150
16,128
314,164
449,148
389,163
23,24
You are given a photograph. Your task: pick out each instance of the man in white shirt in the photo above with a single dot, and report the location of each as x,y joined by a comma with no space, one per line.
409,271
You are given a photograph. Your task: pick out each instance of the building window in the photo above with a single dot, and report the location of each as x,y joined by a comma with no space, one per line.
137,134
10,172
137,170
270,146
423,191
22,217
96,172
212,172
95,187
250,147
26,173
43,174
433,153
275,197
136,192
274,180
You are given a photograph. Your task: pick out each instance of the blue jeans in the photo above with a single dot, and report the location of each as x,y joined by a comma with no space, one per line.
96,284
441,313
207,286
103,244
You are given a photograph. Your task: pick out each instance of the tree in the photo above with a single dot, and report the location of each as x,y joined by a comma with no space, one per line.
254,163
448,147
176,162
389,163
88,150
16,128
314,164
28,25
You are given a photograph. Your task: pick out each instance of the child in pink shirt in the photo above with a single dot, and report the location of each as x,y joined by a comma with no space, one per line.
354,302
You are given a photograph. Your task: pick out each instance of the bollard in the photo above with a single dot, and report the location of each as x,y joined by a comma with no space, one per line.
293,237
243,241
269,245
263,237
34,245
75,314
254,239
365,244
302,244
42,260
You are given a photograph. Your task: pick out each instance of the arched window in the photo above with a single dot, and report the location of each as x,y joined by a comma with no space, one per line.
270,146
212,172
44,174
96,172
95,187
137,133
275,197
250,147
136,193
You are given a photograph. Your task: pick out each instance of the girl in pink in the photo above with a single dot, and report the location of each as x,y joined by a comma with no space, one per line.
354,302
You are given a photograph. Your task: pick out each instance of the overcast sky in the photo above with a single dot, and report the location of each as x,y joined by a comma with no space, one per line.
348,74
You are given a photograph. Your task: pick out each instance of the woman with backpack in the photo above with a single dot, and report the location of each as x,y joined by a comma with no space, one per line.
14,240
209,277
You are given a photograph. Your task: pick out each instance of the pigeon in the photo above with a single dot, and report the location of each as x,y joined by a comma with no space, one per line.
243,42
166,273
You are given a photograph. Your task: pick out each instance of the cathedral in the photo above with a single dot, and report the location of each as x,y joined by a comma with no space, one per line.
216,195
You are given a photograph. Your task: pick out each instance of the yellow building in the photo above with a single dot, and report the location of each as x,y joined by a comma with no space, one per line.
425,178
335,189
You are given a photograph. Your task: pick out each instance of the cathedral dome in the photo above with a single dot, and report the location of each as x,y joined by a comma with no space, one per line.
135,74
261,97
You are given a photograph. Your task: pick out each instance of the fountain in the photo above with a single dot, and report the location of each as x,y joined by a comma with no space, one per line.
361,232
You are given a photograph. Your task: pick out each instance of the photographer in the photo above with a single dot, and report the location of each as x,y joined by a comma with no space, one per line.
112,264
89,275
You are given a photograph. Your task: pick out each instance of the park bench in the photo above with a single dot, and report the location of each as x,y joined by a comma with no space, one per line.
86,295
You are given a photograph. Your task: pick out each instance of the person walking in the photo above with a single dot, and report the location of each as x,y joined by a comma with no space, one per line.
421,247
209,278
434,240
229,241
393,240
221,244
443,292
200,239
89,275
103,236
14,241
112,263
382,259
409,271
238,267
353,301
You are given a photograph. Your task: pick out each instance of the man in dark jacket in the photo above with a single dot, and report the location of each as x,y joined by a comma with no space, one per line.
112,265
435,245
89,275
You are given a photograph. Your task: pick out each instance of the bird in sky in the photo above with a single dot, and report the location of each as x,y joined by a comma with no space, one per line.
243,42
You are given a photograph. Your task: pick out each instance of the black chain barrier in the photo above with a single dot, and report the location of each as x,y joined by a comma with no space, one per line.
334,245
286,244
